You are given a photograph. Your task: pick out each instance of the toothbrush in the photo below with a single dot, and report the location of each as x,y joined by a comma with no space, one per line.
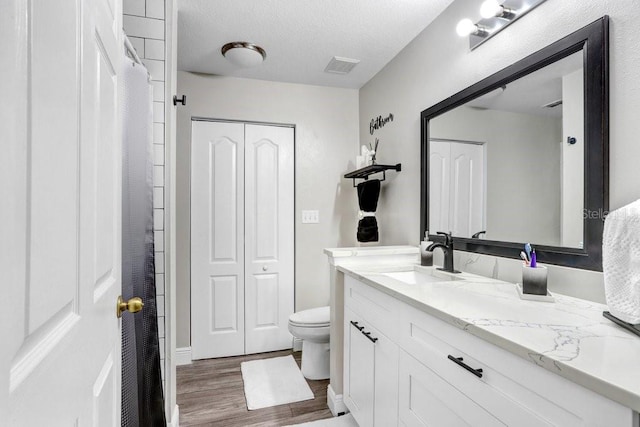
527,249
524,257
533,259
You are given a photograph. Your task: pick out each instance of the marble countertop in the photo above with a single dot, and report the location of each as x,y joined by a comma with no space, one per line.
569,336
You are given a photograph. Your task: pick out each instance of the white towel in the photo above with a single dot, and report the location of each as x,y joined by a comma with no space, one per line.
621,262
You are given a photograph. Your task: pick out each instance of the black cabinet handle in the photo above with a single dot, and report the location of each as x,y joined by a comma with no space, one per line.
368,335
360,328
459,361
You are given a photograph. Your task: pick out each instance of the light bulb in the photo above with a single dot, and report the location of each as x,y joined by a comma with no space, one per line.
466,27
490,9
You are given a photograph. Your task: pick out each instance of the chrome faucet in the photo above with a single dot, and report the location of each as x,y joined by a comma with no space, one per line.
447,249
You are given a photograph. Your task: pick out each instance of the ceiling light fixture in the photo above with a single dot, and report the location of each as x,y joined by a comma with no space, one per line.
244,54
493,9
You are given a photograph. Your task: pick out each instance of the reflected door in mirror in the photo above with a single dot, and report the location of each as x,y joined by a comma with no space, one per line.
456,187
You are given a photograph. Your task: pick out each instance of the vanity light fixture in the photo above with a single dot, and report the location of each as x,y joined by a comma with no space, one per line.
244,54
496,15
493,9
466,27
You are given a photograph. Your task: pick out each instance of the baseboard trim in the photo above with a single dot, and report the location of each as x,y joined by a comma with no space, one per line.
175,418
183,356
297,344
335,402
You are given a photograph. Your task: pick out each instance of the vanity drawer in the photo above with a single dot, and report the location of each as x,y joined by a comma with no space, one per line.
380,309
515,391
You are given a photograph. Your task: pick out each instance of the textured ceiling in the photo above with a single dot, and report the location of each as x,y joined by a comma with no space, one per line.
301,36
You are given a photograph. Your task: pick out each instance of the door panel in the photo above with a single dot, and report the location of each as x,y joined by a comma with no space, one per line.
269,258
359,371
217,239
456,187
61,354
467,191
439,176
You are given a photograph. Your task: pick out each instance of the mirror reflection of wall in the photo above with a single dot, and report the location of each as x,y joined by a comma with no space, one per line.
533,135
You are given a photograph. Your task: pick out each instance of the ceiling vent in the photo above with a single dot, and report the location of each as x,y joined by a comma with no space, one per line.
339,65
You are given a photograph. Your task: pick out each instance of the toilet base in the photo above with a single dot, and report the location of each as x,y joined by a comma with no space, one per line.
315,360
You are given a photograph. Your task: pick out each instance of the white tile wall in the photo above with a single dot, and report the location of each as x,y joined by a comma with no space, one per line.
144,25
138,45
158,197
154,49
155,9
158,220
158,154
158,112
133,7
158,91
138,26
155,68
158,176
158,133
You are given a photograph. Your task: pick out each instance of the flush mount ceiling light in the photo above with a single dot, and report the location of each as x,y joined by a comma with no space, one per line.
496,15
244,54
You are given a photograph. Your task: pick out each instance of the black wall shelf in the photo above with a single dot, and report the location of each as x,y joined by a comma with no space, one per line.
365,172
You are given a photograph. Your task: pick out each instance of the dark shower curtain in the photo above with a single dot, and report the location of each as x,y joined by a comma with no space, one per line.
142,394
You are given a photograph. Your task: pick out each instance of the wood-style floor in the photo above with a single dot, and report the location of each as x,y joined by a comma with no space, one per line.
210,393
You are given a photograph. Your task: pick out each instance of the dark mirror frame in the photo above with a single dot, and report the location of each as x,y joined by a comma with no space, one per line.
594,38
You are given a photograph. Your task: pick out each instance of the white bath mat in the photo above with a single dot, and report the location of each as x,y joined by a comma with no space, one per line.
343,421
271,382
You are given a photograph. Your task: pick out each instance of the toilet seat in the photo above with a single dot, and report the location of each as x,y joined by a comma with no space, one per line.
312,318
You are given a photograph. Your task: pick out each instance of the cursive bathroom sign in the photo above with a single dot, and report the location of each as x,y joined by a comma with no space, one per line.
379,122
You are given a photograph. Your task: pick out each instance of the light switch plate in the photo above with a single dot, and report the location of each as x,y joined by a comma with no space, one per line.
310,217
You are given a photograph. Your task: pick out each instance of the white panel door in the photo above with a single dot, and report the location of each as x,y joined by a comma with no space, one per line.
60,221
439,178
269,215
217,239
467,189
456,188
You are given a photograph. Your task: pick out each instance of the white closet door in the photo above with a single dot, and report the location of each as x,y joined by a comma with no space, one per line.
269,228
217,239
467,189
439,178
60,218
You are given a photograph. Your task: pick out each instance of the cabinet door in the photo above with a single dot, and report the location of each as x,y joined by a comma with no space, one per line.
425,399
359,370
385,412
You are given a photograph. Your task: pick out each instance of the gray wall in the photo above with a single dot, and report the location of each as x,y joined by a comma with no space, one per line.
438,64
326,122
518,147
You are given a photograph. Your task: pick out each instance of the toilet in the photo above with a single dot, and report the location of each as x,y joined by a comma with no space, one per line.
312,327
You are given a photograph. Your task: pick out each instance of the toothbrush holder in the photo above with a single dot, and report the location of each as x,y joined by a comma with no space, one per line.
534,280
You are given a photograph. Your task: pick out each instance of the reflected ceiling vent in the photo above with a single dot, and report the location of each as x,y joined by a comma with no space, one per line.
339,65
553,104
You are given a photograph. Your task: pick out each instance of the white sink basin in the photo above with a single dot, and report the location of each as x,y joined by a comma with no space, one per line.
417,277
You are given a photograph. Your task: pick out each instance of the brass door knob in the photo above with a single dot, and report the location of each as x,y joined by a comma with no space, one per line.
134,305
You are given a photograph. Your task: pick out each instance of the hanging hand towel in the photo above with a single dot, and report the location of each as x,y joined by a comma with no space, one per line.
621,262
368,193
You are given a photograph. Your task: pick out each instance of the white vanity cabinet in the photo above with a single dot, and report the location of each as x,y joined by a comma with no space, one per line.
370,358
422,371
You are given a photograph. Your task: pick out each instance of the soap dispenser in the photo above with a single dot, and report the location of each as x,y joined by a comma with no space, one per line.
426,256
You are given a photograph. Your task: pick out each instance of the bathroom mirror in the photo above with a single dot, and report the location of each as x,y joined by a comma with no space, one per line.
522,156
